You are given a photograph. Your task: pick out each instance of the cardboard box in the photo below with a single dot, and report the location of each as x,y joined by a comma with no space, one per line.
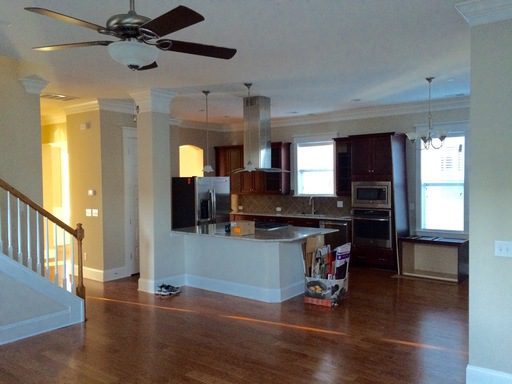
242,228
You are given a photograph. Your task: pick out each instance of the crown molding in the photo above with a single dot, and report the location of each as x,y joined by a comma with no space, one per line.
153,100
33,84
477,12
188,124
371,112
112,105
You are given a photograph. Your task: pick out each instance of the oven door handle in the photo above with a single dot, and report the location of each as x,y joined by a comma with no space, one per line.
371,218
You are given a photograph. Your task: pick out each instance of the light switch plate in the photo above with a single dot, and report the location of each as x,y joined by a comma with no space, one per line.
339,203
503,248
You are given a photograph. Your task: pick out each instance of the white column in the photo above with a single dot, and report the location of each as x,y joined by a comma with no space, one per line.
153,138
490,185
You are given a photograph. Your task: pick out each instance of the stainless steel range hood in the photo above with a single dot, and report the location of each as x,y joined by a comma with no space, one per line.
257,133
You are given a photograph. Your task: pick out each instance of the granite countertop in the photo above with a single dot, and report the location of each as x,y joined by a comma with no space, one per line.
287,233
297,215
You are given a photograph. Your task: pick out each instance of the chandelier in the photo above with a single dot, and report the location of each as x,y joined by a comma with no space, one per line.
427,140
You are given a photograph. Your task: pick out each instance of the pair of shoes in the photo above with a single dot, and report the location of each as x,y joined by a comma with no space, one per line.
167,290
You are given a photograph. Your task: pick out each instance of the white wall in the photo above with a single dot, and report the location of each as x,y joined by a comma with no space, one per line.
490,313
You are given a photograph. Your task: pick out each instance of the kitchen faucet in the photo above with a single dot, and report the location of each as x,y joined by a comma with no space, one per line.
312,203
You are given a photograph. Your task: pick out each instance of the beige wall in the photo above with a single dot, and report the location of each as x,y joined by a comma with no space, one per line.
85,162
20,133
96,162
112,124
490,312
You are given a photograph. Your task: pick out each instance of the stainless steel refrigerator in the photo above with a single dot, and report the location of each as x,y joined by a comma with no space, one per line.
199,200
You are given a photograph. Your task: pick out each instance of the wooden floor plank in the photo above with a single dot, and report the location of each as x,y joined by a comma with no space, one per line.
387,330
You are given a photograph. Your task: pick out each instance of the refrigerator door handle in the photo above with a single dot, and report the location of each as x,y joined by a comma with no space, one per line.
213,207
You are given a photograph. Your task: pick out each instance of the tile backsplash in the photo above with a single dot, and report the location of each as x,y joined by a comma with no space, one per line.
293,204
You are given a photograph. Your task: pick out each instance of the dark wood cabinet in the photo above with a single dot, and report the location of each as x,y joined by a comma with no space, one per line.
231,157
371,157
342,165
279,182
228,159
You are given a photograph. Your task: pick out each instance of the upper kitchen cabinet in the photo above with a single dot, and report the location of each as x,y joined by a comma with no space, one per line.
371,157
228,159
279,182
343,169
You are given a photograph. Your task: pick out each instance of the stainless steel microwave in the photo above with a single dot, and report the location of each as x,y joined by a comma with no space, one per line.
371,194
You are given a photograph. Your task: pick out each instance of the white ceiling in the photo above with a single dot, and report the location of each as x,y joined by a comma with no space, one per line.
308,56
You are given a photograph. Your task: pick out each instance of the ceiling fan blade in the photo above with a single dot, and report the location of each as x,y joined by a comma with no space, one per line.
65,18
172,21
57,47
201,49
149,66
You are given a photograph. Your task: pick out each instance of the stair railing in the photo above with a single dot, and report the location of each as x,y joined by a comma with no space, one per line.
34,237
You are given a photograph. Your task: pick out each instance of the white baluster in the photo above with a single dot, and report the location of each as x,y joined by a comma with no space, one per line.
10,250
64,261
29,244
56,268
38,244
47,250
72,265
20,241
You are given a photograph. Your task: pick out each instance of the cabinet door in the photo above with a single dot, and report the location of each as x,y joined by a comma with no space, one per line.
343,169
252,182
371,157
228,159
361,157
382,161
279,182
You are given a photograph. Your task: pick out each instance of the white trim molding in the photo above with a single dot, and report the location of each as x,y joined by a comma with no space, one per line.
153,100
477,12
479,375
267,295
113,105
33,84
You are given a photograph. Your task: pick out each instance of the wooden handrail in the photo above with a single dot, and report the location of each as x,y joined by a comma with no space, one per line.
37,207
77,233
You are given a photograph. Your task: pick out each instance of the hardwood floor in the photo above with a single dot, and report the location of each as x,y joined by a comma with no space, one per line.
387,330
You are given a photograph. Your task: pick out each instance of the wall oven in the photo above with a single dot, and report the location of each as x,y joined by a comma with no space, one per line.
371,194
371,227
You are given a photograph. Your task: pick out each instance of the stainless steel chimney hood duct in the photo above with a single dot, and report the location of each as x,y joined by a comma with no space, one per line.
257,147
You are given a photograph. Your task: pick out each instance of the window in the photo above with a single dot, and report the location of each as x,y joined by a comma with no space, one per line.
442,186
314,168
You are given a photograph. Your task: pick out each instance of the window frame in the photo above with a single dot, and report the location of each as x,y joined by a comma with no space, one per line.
312,140
451,129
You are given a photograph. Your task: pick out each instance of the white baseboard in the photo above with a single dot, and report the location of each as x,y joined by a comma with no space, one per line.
479,375
37,325
104,275
227,288
149,285
267,295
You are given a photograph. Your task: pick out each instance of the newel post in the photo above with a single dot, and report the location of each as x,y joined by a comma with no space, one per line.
80,288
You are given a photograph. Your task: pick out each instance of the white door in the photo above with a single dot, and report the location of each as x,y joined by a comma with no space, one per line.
131,201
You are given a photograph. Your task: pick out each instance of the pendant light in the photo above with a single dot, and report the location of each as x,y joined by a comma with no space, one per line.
427,140
207,168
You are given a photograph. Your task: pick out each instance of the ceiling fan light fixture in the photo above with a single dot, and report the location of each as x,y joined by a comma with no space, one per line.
133,54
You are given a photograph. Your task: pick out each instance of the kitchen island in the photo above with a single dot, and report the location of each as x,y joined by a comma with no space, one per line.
265,266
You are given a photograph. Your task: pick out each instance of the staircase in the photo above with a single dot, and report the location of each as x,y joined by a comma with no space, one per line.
41,278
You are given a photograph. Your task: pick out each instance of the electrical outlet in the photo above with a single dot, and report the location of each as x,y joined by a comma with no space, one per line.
278,209
339,203
503,248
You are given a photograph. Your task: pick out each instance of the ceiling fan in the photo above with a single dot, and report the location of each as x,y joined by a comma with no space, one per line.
140,38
